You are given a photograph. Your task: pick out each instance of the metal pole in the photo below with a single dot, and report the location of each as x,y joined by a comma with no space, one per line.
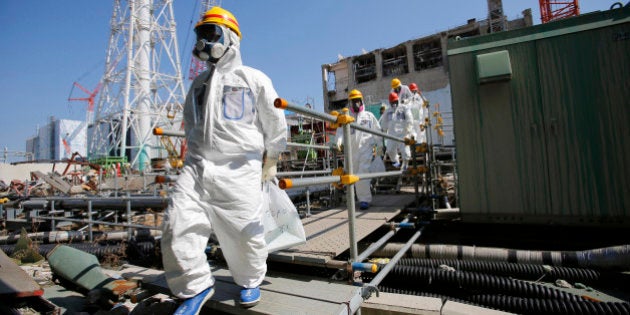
414,163
52,210
129,215
301,173
383,273
127,89
135,226
350,192
311,146
90,220
308,202
372,248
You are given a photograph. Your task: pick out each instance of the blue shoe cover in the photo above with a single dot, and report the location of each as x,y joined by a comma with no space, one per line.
363,205
396,165
250,297
193,305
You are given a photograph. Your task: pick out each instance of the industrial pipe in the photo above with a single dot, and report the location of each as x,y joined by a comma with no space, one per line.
519,271
424,277
55,237
137,202
89,221
304,145
536,306
615,257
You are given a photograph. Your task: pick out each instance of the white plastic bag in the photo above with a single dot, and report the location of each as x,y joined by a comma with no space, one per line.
283,227
377,165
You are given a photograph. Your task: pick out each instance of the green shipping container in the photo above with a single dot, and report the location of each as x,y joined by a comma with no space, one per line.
542,122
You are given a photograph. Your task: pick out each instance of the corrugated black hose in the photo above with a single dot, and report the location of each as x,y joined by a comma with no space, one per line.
520,271
550,306
521,305
419,277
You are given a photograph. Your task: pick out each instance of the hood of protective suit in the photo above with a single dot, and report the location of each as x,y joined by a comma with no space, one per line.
232,57
229,110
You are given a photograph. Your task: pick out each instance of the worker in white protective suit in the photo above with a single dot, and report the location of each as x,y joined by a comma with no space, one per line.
363,145
230,121
419,111
403,91
397,121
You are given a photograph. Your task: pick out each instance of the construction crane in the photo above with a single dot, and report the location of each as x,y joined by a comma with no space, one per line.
551,10
89,99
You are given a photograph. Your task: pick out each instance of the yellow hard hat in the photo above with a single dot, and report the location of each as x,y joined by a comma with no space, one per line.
395,83
217,15
355,94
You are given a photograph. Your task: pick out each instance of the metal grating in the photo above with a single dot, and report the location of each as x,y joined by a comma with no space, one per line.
327,234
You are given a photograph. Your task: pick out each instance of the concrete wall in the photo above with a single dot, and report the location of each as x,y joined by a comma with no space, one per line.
22,172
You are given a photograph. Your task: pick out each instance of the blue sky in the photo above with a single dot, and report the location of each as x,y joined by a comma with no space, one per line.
48,45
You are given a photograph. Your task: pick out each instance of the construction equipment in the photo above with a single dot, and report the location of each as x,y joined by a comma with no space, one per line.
175,159
90,100
551,10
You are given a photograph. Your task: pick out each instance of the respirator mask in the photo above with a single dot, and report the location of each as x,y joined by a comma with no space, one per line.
356,105
212,42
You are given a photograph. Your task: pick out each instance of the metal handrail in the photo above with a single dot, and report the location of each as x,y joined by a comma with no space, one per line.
348,167
372,286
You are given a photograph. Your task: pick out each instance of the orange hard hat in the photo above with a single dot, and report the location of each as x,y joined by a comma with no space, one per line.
413,87
393,97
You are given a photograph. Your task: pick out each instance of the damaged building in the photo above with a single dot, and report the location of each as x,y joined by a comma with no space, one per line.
422,61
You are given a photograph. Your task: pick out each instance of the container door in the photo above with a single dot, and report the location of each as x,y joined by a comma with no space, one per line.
585,94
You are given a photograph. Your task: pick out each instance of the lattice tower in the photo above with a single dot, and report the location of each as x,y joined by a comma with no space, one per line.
142,87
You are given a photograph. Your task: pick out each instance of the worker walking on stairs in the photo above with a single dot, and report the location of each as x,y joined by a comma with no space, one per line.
419,111
230,121
402,91
362,144
397,121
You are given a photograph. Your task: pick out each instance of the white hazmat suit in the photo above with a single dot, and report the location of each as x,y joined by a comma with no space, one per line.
362,144
398,122
230,121
419,112
404,94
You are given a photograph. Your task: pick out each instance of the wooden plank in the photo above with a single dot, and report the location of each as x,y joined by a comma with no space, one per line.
281,293
14,282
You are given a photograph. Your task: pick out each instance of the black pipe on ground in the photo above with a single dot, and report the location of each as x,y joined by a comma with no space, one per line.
550,306
606,258
525,306
519,271
428,277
